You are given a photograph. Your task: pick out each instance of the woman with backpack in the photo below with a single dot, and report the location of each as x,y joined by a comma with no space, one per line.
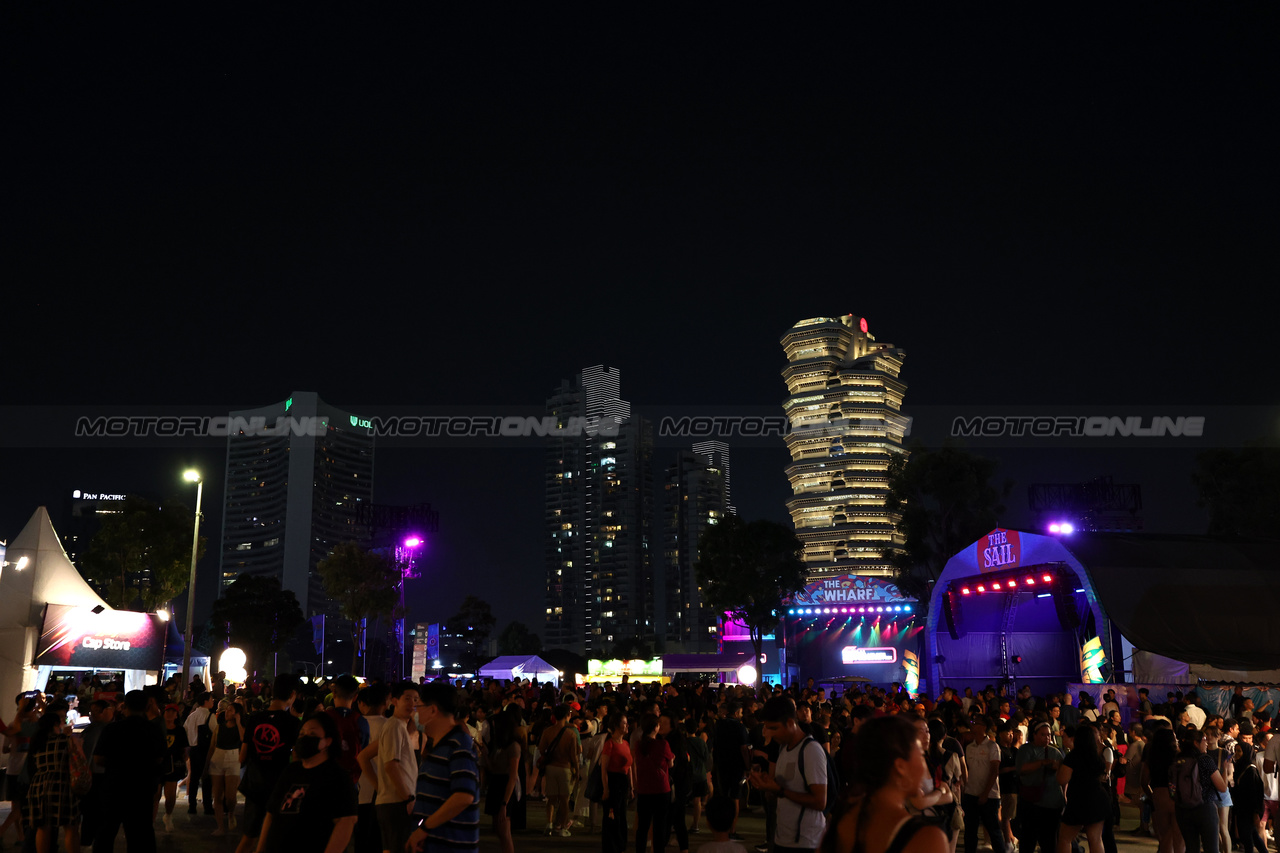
1197,788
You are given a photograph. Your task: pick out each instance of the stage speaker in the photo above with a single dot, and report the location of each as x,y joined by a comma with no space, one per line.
951,611
1068,615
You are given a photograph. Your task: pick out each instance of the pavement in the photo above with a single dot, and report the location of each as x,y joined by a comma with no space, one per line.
191,833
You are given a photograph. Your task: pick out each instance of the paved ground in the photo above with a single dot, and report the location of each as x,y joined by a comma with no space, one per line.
191,833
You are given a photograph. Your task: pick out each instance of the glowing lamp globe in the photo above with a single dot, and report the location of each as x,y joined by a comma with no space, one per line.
747,674
232,663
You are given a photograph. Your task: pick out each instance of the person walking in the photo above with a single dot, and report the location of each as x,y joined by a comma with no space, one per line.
50,803
888,770
981,798
799,777
504,775
174,769
200,738
312,808
131,753
652,761
1196,769
1083,775
223,765
448,790
1039,794
617,773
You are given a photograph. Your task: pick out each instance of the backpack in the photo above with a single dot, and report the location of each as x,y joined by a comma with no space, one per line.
833,783
1185,783
349,737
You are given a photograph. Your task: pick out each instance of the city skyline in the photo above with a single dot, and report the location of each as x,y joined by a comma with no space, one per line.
1073,221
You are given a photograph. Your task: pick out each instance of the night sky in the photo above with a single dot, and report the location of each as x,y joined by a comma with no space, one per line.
1068,210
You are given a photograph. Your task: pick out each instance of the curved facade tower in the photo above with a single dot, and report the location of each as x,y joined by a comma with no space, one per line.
845,413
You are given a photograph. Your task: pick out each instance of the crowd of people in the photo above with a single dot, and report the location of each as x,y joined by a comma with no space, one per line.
337,765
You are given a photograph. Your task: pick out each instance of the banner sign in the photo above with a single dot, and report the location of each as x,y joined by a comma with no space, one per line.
998,550
878,654
433,642
317,633
1092,660
112,639
613,670
850,589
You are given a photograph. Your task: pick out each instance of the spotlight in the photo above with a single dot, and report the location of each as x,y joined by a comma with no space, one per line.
1031,581
1067,528
981,588
964,591
1048,578
995,585
1055,527
907,608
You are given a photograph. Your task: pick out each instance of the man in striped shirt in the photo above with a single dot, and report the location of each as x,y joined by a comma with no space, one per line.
448,790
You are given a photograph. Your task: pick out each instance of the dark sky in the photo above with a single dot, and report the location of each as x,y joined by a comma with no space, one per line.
1064,210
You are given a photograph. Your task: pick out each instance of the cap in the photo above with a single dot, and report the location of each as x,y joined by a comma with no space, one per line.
173,707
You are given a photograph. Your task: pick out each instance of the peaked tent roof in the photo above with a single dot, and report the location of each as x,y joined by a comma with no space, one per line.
529,664
49,578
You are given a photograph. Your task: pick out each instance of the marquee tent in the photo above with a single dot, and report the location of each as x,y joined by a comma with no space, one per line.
47,578
1046,610
514,667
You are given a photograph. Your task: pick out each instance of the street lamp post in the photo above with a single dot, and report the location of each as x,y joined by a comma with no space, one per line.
407,549
191,477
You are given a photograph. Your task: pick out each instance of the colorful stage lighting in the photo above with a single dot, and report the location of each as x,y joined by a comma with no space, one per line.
995,585
981,588
1031,581
1048,578
964,591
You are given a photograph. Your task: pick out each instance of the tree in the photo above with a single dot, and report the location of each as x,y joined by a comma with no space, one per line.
141,556
632,648
517,639
745,570
260,617
1241,489
946,501
472,623
365,585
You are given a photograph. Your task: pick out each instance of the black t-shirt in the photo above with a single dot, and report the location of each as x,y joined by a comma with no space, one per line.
175,741
270,736
304,805
132,750
731,736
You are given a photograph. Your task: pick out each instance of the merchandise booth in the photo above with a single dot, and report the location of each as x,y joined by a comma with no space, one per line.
1075,608
856,626
52,623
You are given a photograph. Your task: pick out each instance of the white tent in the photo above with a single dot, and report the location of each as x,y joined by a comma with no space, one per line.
514,667
47,578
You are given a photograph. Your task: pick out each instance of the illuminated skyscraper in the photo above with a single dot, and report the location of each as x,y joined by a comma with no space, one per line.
292,496
599,495
845,412
694,497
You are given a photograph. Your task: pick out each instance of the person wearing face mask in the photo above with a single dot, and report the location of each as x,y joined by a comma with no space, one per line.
313,806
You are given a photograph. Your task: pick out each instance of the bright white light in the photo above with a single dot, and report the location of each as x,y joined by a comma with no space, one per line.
163,614
232,663
22,562
192,476
747,674
1055,527
1067,528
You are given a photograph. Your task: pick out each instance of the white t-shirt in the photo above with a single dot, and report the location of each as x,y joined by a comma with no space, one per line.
1196,715
376,722
812,822
979,757
1270,784
394,743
